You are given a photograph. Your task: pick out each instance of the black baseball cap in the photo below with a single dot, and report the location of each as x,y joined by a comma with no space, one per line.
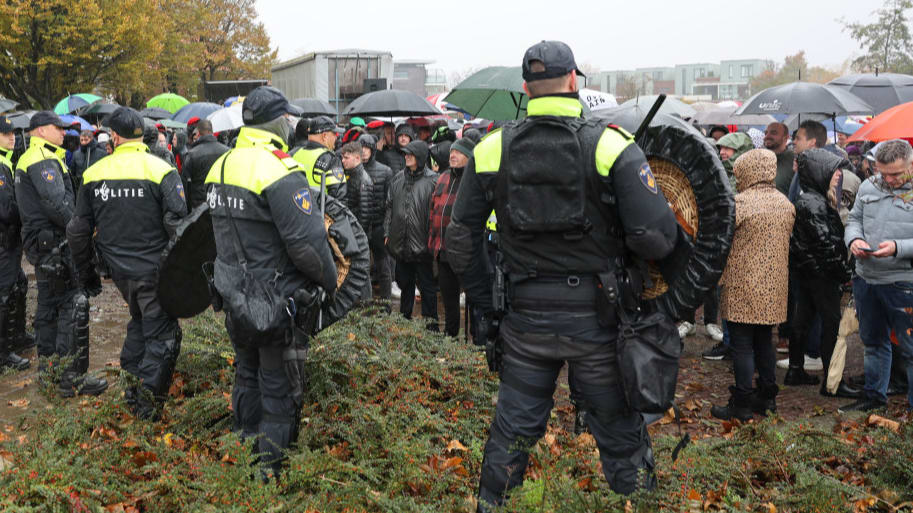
320,124
5,125
265,104
555,55
46,117
126,123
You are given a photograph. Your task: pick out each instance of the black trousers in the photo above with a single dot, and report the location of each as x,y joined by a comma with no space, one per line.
407,274
752,349
450,286
711,308
261,399
382,274
820,297
536,347
54,326
152,344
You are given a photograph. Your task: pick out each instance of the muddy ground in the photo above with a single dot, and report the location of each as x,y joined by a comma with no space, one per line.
701,382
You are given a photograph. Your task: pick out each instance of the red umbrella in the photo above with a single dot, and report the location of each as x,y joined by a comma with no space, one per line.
894,123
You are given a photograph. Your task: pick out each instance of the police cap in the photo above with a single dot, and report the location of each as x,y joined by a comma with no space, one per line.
320,124
555,55
126,123
46,117
264,104
5,125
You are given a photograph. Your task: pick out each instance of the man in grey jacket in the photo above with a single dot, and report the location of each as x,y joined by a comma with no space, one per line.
879,233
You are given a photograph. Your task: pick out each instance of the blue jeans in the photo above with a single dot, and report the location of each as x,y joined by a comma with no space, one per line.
882,309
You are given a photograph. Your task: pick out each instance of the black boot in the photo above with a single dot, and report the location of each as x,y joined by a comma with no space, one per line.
739,407
72,384
765,400
843,390
74,379
796,376
7,357
20,340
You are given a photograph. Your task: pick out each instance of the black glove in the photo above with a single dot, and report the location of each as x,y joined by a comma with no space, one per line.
494,352
90,282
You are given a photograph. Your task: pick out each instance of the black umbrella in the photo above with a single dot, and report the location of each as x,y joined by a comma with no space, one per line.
881,91
311,107
20,119
390,103
155,113
97,111
195,110
7,104
804,98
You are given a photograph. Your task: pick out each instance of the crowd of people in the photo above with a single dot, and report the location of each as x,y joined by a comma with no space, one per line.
814,221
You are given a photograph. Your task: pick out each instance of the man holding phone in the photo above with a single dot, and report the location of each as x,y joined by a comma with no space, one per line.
878,234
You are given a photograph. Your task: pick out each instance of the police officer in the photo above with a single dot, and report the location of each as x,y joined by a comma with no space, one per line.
11,275
282,234
133,200
317,158
570,196
44,193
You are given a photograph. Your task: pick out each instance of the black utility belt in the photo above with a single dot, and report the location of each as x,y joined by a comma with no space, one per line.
577,292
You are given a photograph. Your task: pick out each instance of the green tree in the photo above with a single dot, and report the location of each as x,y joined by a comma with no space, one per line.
794,68
235,45
887,42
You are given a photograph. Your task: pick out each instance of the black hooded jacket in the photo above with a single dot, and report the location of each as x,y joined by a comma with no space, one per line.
203,152
84,157
816,247
381,176
406,223
151,138
440,152
360,196
393,157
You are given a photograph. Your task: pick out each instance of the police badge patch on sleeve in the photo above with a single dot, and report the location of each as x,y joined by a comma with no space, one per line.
338,174
180,188
647,178
48,175
302,200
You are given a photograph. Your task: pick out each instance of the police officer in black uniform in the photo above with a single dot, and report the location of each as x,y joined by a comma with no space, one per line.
133,200
12,279
282,234
571,196
44,193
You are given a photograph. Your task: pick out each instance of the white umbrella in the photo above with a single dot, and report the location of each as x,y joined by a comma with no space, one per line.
597,100
227,118
672,106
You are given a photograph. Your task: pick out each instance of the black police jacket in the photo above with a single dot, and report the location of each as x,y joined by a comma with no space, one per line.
10,224
44,194
131,202
407,212
197,164
276,215
816,247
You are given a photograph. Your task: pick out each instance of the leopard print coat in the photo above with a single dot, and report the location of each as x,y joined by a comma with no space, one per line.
755,282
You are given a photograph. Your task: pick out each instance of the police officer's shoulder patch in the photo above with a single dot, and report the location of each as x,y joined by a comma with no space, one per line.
647,178
48,175
302,200
286,159
180,189
338,174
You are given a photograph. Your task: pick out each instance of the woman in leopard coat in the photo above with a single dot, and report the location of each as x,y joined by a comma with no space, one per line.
755,282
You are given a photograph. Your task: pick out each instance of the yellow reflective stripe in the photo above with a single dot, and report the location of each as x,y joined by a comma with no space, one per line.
249,137
38,152
308,160
487,153
610,146
250,168
554,106
128,162
492,222
5,159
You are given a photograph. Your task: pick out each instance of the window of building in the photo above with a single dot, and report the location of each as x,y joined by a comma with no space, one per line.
657,75
701,72
731,71
400,75
747,70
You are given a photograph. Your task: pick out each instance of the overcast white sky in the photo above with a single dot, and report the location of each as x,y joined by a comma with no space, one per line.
459,34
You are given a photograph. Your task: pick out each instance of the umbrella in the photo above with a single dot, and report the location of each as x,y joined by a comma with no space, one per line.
167,101
596,100
702,106
6,104
155,113
227,118
630,115
494,93
98,109
894,123
75,101
390,102
230,101
671,106
804,98
20,119
311,107
168,123
881,91
726,117
72,119
195,110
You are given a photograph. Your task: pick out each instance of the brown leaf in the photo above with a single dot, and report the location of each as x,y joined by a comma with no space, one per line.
877,420
22,384
691,405
351,336
140,458
455,445
769,507
451,462
586,484
19,403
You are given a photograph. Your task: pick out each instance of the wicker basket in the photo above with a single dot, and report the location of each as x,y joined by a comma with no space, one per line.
678,192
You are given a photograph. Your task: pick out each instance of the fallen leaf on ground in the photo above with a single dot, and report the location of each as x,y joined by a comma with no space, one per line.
19,403
877,420
455,445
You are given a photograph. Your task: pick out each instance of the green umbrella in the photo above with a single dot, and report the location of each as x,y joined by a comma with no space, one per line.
494,93
75,101
168,101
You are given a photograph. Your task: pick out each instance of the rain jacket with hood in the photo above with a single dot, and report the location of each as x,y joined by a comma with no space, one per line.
408,209
755,282
381,175
440,154
179,149
741,143
150,139
203,152
816,247
360,196
393,157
